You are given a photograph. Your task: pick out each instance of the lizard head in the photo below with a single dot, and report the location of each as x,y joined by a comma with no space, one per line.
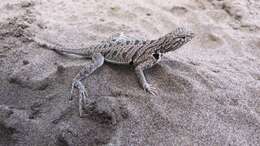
175,39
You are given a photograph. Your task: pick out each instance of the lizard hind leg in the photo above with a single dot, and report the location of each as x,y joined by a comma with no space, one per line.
97,61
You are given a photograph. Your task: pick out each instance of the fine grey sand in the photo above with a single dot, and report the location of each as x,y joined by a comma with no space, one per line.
209,90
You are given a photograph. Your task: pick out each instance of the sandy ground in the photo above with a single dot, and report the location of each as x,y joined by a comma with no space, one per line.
209,90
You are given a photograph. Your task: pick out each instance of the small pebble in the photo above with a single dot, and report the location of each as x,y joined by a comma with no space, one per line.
148,14
60,68
25,62
26,4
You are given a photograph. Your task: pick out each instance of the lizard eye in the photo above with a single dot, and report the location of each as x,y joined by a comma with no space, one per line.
156,56
183,37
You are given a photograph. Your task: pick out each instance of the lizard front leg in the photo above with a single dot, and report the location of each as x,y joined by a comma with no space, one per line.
97,61
139,70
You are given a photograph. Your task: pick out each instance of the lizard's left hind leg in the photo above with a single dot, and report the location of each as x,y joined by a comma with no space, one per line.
97,61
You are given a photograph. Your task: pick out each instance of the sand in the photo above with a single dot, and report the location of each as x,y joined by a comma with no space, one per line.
209,90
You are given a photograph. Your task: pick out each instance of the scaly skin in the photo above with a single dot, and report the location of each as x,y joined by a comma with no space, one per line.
121,49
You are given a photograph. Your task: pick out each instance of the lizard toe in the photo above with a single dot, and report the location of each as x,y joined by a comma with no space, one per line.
83,95
73,85
152,90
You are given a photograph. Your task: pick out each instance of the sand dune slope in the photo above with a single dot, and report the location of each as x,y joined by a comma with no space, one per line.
209,90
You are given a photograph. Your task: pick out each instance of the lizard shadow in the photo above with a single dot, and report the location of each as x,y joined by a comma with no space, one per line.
179,77
169,76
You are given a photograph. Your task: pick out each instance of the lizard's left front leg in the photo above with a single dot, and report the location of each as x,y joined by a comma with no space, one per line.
139,70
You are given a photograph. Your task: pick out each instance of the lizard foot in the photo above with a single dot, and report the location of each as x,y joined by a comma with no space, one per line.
82,91
152,90
82,95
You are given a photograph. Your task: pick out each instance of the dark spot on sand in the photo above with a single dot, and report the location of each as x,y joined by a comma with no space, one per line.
25,62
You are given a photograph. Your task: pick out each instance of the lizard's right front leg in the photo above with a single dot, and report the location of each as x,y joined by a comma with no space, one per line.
139,70
97,61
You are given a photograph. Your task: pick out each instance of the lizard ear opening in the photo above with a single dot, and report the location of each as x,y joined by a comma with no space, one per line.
156,56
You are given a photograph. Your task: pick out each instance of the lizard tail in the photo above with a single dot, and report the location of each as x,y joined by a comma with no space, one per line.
60,49
46,44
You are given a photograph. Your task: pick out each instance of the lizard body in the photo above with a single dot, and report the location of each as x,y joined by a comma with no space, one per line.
121,49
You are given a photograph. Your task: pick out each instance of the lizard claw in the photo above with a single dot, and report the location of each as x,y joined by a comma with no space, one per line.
71,93
152,90
72,90
83,95
82,100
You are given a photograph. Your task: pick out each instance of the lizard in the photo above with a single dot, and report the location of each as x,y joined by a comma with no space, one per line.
122,49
